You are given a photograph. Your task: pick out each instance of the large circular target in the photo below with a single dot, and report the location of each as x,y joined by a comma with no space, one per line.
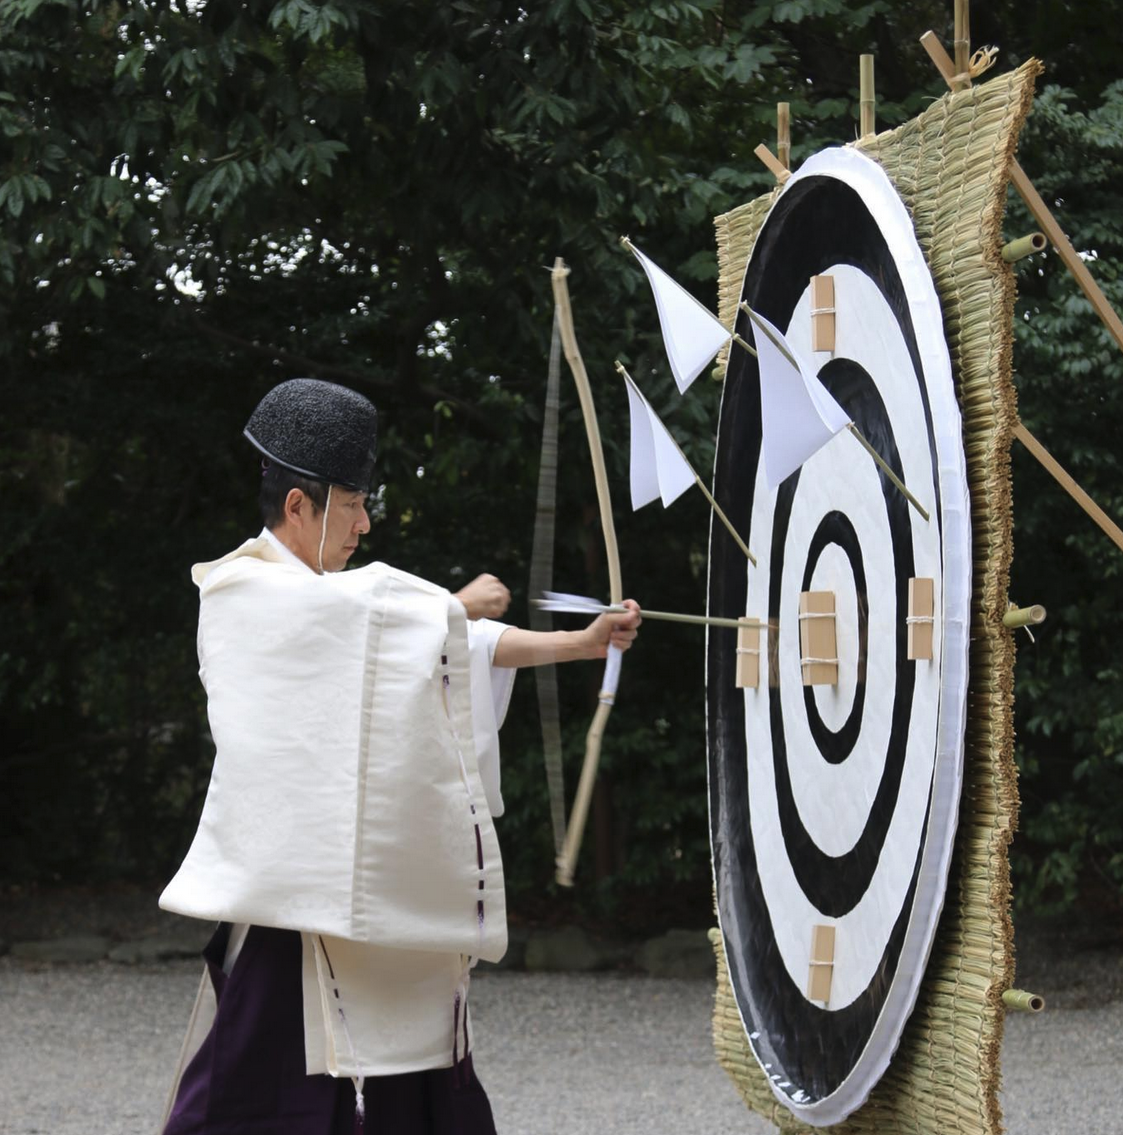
834,806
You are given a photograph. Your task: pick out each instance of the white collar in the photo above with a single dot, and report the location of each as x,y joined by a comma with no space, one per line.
287,554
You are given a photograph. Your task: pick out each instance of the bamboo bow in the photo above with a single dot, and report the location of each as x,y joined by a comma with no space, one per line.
567,859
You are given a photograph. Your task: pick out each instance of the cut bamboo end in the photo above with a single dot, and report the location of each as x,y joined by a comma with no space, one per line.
1023,1002
866,100
1024,246
775,166
784,134
1024,616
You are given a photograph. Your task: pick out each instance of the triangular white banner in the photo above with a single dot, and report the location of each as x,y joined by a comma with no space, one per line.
658,468
692,334
798,415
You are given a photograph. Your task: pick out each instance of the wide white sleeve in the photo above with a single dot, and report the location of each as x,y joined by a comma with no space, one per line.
491,694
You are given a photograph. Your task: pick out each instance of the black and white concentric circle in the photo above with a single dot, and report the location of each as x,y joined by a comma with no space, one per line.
836,805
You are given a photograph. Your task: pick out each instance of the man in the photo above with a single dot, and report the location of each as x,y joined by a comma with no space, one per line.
346,844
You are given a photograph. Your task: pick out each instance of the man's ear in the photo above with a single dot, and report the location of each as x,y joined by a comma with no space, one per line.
296,507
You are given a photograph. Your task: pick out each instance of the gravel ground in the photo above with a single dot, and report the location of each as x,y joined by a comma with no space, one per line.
87,1050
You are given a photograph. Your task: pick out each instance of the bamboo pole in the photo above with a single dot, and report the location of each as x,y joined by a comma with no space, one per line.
701,484
882,464
1064,479
1024,616
1040,211
784,134
1024,246
866,99
963,43
773,163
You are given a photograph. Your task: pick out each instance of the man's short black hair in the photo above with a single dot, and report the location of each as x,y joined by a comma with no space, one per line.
276,481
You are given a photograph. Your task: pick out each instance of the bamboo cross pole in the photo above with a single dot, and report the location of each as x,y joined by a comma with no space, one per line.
1040,210
866,100
857,433
784,134
701,484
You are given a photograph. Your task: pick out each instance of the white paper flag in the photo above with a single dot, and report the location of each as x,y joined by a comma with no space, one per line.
658,468
798,415
692,333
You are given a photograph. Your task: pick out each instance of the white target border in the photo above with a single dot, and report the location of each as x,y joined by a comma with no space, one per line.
877,193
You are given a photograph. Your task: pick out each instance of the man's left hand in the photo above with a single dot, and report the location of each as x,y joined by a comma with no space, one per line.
615,629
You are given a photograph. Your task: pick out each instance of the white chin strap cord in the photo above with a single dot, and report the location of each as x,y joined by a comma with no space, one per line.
323,533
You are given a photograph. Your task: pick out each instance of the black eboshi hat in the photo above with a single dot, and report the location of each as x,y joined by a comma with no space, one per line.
319,430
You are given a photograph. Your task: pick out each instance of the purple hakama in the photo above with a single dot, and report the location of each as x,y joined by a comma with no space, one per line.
248,1077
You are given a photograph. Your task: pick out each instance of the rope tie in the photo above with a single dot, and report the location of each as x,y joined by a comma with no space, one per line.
913,620
981,62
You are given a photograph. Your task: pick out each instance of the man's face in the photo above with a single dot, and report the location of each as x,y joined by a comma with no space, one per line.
301,530
347,521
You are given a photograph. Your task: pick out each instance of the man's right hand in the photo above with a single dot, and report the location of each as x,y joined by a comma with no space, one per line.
484,598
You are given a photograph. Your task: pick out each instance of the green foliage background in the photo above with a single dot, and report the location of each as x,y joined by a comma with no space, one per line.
200,199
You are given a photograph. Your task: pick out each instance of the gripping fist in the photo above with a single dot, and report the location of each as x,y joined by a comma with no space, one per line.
484,598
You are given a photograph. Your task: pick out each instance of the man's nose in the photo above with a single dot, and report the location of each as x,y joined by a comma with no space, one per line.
363,524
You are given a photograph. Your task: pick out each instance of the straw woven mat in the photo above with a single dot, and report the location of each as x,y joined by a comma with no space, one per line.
951,167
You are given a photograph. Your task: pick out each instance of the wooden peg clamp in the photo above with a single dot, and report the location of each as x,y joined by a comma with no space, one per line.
821,970
748,655
818,642
921,618
822,313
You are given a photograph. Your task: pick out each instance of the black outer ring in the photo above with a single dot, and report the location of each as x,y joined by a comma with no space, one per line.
818,222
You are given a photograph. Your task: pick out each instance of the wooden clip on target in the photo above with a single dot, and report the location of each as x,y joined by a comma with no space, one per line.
822,313
748,655
817,639
821,969
921,618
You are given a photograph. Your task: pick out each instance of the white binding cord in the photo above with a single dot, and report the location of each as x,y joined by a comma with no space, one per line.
323,533
611,678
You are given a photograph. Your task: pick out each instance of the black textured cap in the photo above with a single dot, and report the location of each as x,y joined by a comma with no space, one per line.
319,430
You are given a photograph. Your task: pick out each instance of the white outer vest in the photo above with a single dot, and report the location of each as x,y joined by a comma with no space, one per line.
342,795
